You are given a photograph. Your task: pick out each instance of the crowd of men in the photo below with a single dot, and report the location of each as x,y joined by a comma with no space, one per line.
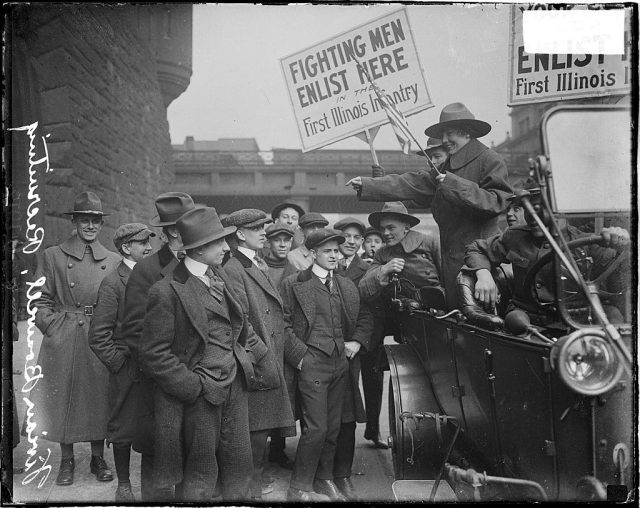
203,355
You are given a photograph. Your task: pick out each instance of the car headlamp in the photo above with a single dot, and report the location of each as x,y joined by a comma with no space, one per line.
586,361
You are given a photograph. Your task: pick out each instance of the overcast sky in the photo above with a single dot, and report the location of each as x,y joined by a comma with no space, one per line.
238,90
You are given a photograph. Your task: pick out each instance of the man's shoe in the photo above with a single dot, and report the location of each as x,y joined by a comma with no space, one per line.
280,458
124,494
328,488
346,487
375,438
65,475
303,496
100,469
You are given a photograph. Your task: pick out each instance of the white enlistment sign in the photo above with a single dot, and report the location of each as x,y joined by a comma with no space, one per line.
561,75
331,97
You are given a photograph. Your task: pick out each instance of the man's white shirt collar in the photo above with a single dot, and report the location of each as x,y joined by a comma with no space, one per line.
320,272
195,267
250,253
129,262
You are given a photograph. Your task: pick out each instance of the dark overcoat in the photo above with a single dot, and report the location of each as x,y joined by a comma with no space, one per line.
70,400
466,205
105,340
268,409
144,275
299,315
174,334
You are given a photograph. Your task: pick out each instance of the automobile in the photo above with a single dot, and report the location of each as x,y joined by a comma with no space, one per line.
488,407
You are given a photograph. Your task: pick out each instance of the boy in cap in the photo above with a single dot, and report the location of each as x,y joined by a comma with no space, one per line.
289,213
132,242
327,329
69,402
466,198
372,242
279,241
170,206
199,347
301,257
248,279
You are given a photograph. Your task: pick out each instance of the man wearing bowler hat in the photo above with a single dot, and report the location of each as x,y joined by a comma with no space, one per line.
323,317
466,198
249,280
199,347
301,257
69,402
170,206
132,242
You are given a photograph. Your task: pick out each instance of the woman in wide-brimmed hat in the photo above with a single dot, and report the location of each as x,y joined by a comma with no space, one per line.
466,200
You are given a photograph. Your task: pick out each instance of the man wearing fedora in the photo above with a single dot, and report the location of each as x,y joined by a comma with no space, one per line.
323,317
301,257
132,242
249,280
69,402
170,206
466,199
199,347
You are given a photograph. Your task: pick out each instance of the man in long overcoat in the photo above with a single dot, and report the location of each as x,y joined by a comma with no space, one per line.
353,411
170,206
466,200
199,347
70,400
105,340
268,409
323,315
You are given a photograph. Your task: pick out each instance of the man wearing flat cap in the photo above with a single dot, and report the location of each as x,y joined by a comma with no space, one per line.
69,402
105,340
324,320
301,257
170,206
248,279
279,241
199,347
289,214
466,199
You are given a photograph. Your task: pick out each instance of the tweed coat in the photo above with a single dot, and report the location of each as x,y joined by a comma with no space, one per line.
353,409
105,341
172,343
299,315
144,275
70,400
466,205
268,409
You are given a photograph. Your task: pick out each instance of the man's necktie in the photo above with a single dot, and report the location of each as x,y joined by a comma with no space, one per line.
261,263
329,282
216,285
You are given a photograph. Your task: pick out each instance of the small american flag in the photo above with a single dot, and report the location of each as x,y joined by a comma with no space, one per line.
396,119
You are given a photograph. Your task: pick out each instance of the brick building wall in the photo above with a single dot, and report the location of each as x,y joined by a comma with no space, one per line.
89,75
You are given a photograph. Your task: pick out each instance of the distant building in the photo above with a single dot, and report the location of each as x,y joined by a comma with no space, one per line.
97,79
230,174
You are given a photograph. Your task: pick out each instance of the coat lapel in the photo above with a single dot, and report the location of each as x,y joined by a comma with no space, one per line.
262,279
304,294
349,299
190,298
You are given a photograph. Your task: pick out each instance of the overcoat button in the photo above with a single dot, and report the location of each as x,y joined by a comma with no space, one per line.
268,311
228,333
72,284
104,267
538,285
70,265
80,323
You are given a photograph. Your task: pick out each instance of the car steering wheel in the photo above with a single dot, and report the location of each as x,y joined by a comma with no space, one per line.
529,286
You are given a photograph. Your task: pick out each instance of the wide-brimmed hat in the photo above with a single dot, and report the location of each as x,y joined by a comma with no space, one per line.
343,224
278,228
133,232
393,209
247,218
171,206
320,236
457,116
87,203
278,208
432,144
200,226
313,218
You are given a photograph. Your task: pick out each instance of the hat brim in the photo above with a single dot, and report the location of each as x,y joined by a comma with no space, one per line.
276,211
376,217
141,236
280,232
211,238
338,238
342,227
427,150
255,223
157,223
477,128
86,212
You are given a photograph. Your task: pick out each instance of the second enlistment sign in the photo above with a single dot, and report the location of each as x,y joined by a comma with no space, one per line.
332,99
543,77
